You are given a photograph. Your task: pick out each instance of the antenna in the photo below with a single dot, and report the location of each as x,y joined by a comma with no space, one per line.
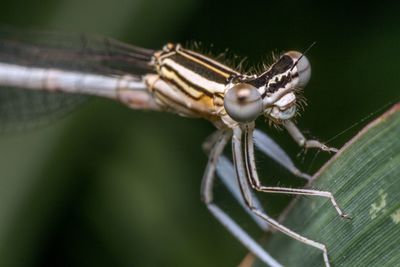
303,54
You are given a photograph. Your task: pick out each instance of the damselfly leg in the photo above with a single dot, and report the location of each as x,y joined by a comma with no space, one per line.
242,142
222,139
302,141
243,152
226,172
270,148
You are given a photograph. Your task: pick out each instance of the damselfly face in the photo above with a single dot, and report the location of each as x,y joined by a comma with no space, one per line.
272,93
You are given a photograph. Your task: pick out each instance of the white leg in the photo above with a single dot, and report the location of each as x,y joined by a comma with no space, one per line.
232,226
302,141
269,147
248,150
226,172
246,173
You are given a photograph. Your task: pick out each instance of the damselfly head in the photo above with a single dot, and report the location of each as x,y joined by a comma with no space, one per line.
272,93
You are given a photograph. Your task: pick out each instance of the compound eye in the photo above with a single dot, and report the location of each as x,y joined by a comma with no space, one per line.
243,102
303,67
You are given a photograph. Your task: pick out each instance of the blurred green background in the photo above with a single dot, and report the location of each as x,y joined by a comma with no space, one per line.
109,186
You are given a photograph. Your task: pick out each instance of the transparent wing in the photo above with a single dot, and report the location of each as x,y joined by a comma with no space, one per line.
75,52
80,52
24,109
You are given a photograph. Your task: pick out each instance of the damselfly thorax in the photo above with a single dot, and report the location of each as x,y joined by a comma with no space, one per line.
189,83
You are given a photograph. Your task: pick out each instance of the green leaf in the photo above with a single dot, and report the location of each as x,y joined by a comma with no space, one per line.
365,179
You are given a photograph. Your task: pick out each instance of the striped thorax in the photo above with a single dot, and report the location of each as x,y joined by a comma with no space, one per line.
194,85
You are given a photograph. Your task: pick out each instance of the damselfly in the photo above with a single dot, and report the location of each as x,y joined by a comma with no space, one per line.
190,84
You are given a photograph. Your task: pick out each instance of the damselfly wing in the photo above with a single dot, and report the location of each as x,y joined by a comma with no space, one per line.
66,51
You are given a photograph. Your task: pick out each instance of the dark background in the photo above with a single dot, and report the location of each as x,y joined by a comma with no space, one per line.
109,186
